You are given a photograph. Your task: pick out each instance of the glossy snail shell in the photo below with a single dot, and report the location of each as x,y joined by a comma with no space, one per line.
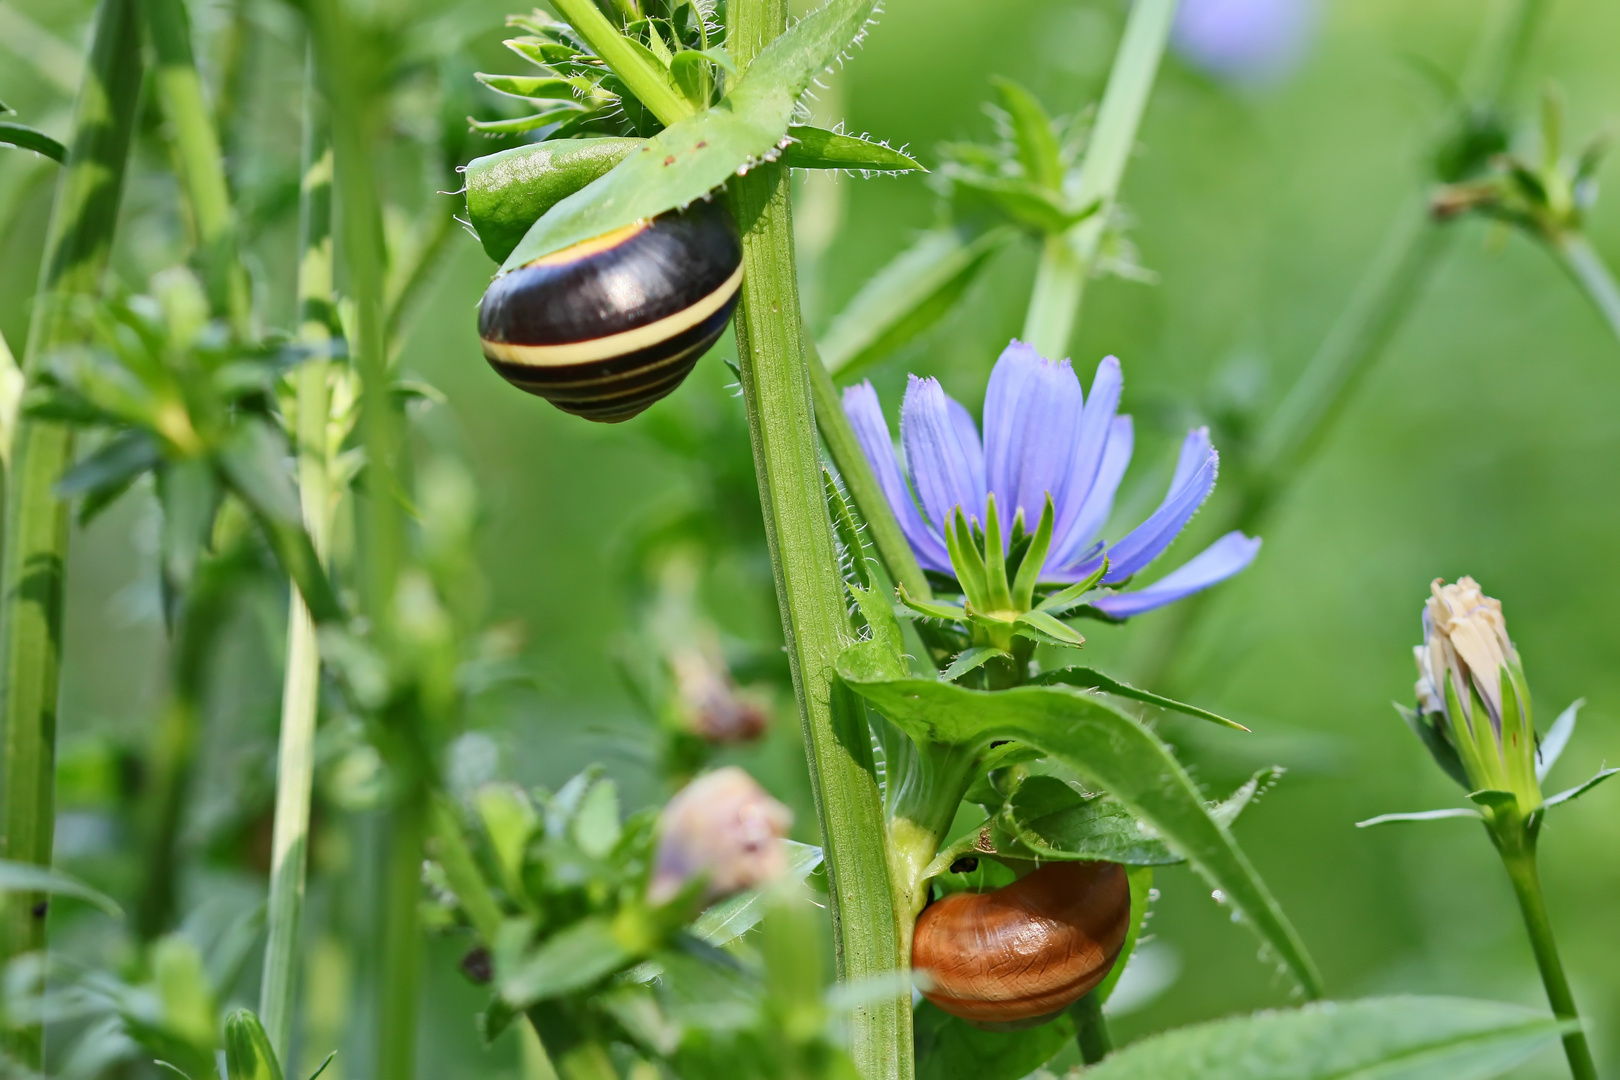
607,327
1027,949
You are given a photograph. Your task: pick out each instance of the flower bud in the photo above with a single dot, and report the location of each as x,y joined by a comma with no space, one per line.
1473,702
708,701
724,828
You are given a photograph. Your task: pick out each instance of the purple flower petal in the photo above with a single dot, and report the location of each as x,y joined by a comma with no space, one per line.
941,468
967,434
1032,413
1091,444
1216,563
872,432
1099,501
1193,484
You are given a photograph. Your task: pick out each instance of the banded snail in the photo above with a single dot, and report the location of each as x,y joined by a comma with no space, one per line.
607,327
1026,950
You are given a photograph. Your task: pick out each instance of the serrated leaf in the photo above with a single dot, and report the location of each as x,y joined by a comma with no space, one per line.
1111,751
735,916
248,1054
818,148
689,159
906,298
949,1048
1091,678
27,877
1396,1038
1420,815
1579,790
26,138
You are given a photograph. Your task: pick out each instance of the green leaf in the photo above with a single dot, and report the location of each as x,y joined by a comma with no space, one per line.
1141,884
596,824
509,191
970,659
1579,790
1091,678
248,1054
1396,1038
693,77
818,148
906,298
1032,129
736,915
1048,819
1111,751
952,1049
848,534
1421,815
1024,202
27,877
525,123
692,157
254,460
104,475
578,956
26,138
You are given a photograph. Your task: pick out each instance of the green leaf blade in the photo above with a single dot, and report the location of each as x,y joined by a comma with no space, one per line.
28,877
818,148
26,138
1396,1038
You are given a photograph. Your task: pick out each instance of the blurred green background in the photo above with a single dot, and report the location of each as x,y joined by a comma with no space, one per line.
1486,442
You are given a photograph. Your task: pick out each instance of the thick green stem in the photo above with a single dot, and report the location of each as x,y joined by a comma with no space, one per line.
1091,1029
32,567
355,119
200,163
300,693
1577,255
1520,861
781,420
881,524
1068,259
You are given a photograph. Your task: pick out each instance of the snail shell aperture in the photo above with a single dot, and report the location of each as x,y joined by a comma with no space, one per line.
1027,949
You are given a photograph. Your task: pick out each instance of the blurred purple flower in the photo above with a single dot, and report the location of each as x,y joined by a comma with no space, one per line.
1243,41
1042,437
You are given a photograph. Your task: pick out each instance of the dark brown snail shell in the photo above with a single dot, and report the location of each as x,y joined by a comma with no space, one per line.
1027,949
607,327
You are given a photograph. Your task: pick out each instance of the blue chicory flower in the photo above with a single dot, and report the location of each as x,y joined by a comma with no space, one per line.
1243,41
1042,437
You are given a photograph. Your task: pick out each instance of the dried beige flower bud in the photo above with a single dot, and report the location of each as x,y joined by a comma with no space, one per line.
725,828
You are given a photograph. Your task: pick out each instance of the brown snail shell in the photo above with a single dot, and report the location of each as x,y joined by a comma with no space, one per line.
1027,949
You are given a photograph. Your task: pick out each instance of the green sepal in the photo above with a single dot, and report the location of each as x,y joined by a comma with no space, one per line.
1428,728
998,595
1043,627
535,87
248,1054
1033,560
1421,815
1073,595
932,609
1092,679
1578,790
966,559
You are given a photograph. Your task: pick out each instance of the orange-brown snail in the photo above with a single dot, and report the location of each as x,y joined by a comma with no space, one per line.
1027,949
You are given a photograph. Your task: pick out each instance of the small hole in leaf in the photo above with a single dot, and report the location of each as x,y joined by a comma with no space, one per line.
965,865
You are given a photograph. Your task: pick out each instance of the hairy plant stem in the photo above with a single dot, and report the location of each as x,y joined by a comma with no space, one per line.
300,693
355,119
199,161
33,563
776,392
1517,846
1091,1029
1577,255
845,450
1068,259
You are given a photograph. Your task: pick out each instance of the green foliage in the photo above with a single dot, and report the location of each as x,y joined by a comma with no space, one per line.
248,1054
952,1049
1398,1038
29,878
26,138
1108,749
